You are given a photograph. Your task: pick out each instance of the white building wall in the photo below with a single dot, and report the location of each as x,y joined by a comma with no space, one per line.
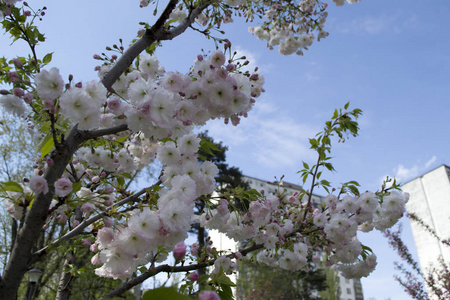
430,201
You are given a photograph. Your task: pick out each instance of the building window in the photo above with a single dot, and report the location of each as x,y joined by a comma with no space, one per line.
349,291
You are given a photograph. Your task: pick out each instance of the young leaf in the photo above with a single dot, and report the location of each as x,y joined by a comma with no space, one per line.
47,58
11,186
45,146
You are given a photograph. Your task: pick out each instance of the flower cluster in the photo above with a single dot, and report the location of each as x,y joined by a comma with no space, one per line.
148,230
333,227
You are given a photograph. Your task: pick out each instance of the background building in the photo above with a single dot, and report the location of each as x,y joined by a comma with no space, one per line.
430,201
351,289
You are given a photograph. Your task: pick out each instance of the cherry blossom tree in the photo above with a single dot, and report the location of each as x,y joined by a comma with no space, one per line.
92,138
431,283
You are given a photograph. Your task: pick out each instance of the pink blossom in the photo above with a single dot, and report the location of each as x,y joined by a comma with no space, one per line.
109,222
38,185
49,84
194,249
87,207
63,187
209,295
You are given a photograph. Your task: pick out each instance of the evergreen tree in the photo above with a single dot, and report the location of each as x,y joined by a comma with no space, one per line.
227,179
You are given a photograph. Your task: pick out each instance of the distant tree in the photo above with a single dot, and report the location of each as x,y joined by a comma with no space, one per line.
257,281
332,290
228,179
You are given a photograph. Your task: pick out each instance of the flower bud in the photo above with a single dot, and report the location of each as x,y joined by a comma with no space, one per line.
28,97
86,242
179,251
17,62
193,276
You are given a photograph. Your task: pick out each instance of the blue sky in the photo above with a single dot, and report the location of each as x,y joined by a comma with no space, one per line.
389,58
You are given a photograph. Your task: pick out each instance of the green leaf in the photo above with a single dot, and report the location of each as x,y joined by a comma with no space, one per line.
11,186
346,105
367,249
164,293
223,279
226,293
325,183
203,278
120,181
122,139
336,114
76,186
305,165
47,58
45,146
208,147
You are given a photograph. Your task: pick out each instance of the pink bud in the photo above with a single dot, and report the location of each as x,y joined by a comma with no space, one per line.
93,247
28,97
18,92
17,62
62,219
95,260
254,76
50,162
193,276
179,251
86,242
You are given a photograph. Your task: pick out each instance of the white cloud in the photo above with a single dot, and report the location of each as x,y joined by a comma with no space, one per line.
250,56
380,24
403,174
267,137
430,162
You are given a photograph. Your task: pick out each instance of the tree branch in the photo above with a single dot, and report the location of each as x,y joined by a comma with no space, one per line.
172,269
140,45
35,218
85,223
156,33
